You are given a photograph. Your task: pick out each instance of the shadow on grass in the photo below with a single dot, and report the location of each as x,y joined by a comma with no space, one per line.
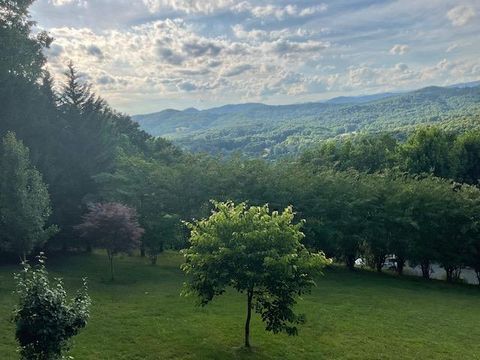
243,352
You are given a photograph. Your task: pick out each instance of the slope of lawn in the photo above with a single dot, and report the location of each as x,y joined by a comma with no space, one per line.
349,316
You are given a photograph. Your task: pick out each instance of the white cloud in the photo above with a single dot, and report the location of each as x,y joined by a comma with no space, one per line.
169,57
278,12
287,47
399,49
461,15
401,67
82,3
237,70
212,6
252,35
61,2
402,76
201,53
188,6
313,10
298,34
451,47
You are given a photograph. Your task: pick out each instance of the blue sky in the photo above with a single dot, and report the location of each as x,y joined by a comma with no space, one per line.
147,55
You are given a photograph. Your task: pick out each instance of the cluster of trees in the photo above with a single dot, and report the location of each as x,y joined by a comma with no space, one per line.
58,136
431,150
422,219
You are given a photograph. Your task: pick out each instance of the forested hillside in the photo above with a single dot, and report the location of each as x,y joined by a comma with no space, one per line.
83,184
273,131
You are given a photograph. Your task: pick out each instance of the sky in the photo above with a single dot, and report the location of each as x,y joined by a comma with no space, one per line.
147,55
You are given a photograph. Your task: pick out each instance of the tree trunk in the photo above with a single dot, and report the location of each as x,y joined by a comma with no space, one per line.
142,251
426,269
249,316
453,273
110,257
153,259
350,262
400,265
449,272
456,273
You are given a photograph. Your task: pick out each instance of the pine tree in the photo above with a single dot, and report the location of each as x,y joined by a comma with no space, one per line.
76,94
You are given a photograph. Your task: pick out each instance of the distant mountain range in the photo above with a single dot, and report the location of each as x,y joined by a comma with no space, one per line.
465,85
271,131
359,99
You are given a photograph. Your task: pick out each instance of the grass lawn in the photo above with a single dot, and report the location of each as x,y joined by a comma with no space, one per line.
349,316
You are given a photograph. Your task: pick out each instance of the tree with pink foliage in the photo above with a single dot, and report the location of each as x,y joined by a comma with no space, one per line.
113,227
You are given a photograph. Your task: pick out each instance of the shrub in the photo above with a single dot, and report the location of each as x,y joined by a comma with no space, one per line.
45,319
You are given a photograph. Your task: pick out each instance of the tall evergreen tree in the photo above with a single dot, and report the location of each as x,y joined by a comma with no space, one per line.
88,146
76,94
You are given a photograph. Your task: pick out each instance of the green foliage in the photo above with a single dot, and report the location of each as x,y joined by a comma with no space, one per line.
427,150
161,232
154,189
256,252
350,214
466,153
113,227
473,255
278,131
24,201
457,215
45,319
21,53
366,153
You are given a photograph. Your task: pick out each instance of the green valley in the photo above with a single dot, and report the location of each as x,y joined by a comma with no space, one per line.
274,131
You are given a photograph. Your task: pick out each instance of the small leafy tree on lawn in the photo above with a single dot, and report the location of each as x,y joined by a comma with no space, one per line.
113,227
45,319
258,253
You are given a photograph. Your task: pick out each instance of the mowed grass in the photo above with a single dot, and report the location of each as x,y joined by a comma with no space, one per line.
358,315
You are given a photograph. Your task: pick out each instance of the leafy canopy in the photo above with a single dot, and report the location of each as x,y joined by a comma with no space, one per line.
45,318
113,227
255,251
24,200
